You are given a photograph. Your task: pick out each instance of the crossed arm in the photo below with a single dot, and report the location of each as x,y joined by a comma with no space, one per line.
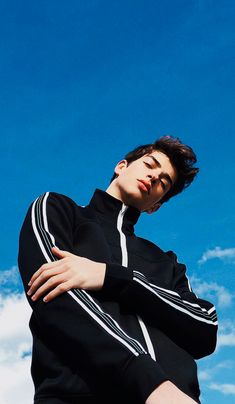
189,319
73,271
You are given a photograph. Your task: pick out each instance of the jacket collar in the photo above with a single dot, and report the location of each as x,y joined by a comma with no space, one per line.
108,206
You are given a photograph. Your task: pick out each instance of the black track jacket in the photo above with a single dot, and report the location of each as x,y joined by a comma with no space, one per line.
118,344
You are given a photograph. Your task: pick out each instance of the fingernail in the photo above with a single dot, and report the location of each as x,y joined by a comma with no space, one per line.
33,297
30,283
29,292
45,299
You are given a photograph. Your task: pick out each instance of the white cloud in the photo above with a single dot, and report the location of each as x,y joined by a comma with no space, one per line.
228,364
226,254
9,275
204,375
15,351
10,280
16,384
210,372
218,294
223,388
226,336
226,339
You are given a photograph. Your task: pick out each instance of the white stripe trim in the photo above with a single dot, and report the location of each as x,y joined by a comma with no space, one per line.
179,299
189,286
122,236
170,292
46,239
45,217
194,305
193,308
99,321
147,338
37,233
114,321
211,310
174,305
125,264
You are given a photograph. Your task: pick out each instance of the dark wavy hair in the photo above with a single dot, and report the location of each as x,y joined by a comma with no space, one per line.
182,157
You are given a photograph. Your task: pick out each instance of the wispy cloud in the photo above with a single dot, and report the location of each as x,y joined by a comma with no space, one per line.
204,374
210,372
223,388
9,275
15,351
226,254
218,294
226,336
226,339
10,280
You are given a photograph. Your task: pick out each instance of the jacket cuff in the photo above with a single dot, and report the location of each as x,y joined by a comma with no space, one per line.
141,377
116,279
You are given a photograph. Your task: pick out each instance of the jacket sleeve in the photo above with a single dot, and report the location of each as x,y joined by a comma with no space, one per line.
74,324
189,321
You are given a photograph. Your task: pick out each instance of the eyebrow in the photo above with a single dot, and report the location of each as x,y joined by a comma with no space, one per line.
166,175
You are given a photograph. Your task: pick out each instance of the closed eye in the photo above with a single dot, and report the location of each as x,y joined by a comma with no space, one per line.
147,164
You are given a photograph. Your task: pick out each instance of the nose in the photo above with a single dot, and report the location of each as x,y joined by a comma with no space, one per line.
153,178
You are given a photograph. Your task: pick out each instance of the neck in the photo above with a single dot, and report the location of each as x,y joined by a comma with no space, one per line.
115,192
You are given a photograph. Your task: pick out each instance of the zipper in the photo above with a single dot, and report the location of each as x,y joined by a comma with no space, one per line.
125,264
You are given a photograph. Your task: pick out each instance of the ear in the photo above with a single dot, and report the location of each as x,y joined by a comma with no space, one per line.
120,166
154,208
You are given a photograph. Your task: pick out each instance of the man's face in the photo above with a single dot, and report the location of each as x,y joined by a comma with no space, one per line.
145,181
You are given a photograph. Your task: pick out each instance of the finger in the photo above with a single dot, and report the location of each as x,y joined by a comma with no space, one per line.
57,252
60,253
62,288
44,267
48,285
44,276
39,271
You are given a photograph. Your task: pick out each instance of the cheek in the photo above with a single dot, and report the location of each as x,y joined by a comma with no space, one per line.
129,175
157,195
125,180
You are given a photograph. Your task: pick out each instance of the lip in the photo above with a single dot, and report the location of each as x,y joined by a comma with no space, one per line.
145,186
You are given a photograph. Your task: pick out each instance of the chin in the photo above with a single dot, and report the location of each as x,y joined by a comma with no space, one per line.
134,198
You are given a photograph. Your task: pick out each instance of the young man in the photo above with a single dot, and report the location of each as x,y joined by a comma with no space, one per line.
114,318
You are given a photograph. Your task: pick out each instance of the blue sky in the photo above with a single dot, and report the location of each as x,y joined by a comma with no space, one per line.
84,82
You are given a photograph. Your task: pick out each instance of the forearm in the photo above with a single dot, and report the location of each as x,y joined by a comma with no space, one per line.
183,321
190,324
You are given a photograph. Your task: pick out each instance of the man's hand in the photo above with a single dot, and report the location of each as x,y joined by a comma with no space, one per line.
71,271
168,393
